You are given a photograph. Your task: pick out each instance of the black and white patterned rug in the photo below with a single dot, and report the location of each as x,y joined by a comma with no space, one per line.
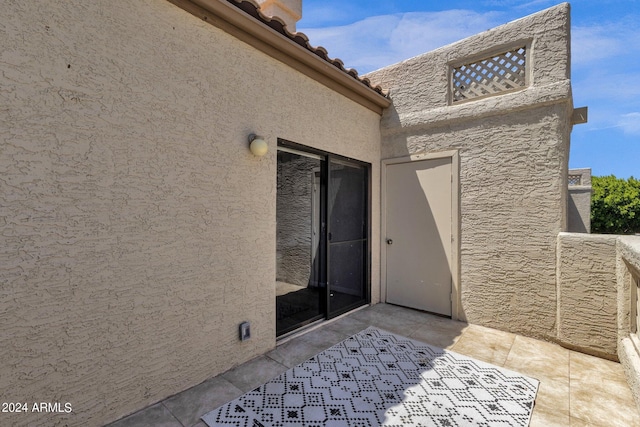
376,378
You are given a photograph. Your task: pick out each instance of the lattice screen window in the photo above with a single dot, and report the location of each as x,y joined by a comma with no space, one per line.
489,76
575,179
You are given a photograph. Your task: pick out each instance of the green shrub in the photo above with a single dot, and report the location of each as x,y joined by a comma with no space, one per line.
615,205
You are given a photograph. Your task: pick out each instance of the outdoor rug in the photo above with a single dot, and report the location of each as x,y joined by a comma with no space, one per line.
376,378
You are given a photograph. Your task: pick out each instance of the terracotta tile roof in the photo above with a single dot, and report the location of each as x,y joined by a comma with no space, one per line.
251,8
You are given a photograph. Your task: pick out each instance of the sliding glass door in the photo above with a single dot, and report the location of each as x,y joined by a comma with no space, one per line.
322,246
300,272
347,235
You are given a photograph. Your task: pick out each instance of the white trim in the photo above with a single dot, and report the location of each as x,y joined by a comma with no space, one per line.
457,312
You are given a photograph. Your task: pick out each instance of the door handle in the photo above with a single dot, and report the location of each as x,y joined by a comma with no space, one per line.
389,241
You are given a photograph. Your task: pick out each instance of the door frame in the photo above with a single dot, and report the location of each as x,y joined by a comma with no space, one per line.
456,299
325,175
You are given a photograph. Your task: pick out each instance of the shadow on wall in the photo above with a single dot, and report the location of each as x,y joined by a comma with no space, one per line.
576,221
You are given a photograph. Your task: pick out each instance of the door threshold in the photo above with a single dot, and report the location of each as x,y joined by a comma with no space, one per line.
446,316
314,325
300,331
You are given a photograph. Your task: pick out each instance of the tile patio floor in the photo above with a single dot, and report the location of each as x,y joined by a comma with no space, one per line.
575,389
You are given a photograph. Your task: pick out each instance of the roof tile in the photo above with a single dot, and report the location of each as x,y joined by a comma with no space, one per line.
253,9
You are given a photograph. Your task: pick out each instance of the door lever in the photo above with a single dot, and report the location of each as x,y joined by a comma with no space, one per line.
389,241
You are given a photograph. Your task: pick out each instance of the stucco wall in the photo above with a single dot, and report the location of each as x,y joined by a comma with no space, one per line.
628,269
579,206
597,298
587,293
137,229
579,210
628,272
513,162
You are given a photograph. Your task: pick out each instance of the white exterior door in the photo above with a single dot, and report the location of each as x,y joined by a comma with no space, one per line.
418,234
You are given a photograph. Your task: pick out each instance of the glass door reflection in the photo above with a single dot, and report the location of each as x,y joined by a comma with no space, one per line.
300,263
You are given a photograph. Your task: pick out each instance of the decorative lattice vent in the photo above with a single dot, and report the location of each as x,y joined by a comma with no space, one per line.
489,76
575,179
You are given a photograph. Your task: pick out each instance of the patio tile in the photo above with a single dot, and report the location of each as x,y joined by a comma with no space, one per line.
253,373
292,352
548,363
553,395
599,394
600,383
433,320
489,345
601,374
602,408
440,333
157,415
347,326
323,338
575,389
548,418
539,359
398,320
193,403
599,405
577,422
301,348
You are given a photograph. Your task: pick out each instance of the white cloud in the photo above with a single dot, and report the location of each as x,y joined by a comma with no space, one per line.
319,13
605,75
630,123
517,4
605,69
593,44
606,84
537,4
382,40
418,33
379,41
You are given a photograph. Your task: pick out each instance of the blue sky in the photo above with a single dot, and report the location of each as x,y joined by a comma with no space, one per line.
368,35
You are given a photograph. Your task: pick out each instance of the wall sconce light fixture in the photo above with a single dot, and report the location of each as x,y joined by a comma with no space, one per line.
257,145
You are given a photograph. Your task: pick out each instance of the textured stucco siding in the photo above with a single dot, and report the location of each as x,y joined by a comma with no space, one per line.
579,206
579,210
137,229
587,293
513,152
628,268
628,271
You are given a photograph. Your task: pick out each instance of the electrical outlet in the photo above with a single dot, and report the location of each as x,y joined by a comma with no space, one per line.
245,331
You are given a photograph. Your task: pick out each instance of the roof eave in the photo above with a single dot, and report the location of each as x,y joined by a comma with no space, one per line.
264,38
